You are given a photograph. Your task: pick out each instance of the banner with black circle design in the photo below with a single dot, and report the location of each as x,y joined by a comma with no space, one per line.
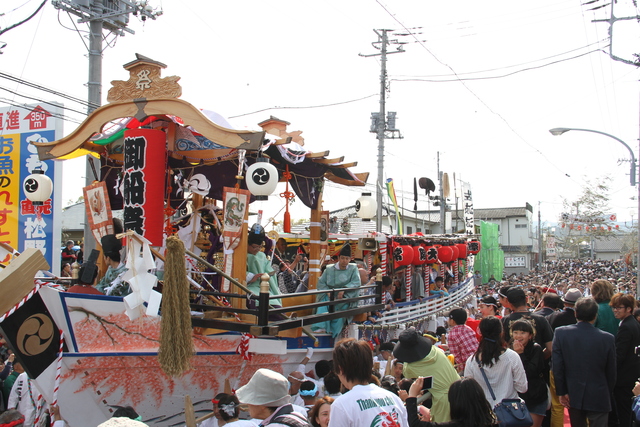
33,336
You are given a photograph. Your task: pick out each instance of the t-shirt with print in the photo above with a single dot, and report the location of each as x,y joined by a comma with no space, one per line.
368,406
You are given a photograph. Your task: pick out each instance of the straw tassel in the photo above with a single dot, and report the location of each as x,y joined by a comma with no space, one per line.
176,344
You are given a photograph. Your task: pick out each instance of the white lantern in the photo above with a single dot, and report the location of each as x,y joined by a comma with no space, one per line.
262,179
37,187
366,207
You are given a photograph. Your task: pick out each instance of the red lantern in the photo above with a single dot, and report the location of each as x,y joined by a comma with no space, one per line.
462,250
402,254
454,252
474,247
445,254
432,254
419,255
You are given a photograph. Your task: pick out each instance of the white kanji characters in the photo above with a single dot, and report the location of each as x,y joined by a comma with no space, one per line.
34,228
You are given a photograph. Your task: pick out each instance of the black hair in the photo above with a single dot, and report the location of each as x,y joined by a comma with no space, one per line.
125,411
332,383
524,326
439,279
458,315
232,401
323,367
441,330
551,300
492,344
468,404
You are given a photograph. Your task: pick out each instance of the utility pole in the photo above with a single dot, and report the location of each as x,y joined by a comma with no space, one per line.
112,15
379,119
443,203
612,20
540,250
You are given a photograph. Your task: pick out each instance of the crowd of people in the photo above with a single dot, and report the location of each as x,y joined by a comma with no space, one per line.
564,337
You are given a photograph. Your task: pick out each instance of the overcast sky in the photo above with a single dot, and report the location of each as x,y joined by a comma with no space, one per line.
480,82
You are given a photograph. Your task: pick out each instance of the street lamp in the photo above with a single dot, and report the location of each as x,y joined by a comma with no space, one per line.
632,176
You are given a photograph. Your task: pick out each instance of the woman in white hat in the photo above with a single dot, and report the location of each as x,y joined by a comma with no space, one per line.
267,395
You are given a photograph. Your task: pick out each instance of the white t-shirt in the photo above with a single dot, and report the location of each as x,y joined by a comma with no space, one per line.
242,423
368,405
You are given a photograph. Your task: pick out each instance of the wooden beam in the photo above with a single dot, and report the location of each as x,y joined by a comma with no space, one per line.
329,161
347,182
345,165
141,109
317,155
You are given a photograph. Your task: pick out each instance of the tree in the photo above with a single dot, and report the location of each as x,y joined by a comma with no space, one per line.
587,217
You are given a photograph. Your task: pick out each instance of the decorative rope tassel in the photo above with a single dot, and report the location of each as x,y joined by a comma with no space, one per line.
176,344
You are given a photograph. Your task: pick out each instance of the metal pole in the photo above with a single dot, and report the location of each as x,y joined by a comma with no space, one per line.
382,124
632,177
94,98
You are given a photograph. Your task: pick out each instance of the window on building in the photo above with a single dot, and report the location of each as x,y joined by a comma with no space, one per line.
521,225
409,230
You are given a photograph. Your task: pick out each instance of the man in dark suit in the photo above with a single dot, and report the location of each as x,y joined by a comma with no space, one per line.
567,316
584,367
628,364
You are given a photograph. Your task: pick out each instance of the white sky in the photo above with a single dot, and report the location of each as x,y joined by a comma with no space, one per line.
237,57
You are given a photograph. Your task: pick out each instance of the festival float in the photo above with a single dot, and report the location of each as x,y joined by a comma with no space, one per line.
184,180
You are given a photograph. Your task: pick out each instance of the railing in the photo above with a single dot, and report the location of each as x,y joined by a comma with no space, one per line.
418,311
272,319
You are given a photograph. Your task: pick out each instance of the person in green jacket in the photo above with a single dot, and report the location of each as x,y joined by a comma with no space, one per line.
422,359
602,291
8,382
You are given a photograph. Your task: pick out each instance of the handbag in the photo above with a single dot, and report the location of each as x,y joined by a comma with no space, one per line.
509,412
636,408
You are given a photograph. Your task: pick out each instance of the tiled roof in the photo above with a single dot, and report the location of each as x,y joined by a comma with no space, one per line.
608,244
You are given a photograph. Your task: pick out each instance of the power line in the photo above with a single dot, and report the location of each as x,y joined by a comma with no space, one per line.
24,20
305,107
44,89
473,93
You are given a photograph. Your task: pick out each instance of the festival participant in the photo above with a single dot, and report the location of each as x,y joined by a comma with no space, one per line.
309,393
386,352
517,300
627,362
568,315
550,303
461,339
23,397
487,306
68,254
536,396
504,302
343,274
582,352
267,395
320,414
85,288
422,359
502,366
364,403
332,385
602,291
10,380
467,403
258,264
228,411
112,283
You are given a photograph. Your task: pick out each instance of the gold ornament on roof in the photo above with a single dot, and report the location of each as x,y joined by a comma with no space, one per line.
145,81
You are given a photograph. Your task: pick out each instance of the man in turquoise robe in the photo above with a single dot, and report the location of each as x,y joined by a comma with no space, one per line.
343,274
258,264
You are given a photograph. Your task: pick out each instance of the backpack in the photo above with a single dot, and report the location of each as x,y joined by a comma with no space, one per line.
291,420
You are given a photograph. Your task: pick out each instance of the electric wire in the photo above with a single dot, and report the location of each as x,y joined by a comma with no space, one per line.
45,89
17,24
509,126
305,107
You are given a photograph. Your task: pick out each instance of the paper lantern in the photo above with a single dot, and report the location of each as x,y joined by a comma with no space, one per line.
144,175
262,179
432,254
37,187
419,255
454,252
366,207
462,250
402,254
445,254
474,246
